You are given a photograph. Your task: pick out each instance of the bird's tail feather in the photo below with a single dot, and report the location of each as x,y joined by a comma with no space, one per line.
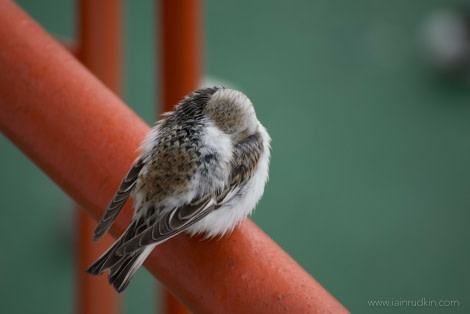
121,273
107,259
121,267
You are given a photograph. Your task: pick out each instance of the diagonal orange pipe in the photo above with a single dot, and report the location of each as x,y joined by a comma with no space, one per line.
84,138
180,41
100,50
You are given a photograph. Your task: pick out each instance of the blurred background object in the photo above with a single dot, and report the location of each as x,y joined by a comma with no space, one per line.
370,171
446,39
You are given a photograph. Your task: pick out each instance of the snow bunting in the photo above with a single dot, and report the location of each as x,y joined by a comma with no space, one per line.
202,170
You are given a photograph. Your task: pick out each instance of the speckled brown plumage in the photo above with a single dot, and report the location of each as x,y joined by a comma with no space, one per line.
202,170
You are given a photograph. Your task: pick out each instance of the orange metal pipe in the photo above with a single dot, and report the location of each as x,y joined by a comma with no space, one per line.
180,71
83,137
100,50
94,294
100,40
181,53
171,305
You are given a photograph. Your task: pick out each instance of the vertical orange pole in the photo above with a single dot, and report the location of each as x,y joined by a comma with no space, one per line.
94,294
181,53
100,51
180,70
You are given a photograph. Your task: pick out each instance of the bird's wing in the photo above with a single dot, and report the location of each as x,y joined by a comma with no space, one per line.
246,157
121,196
168,225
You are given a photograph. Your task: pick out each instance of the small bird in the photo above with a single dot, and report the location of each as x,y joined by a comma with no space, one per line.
202,170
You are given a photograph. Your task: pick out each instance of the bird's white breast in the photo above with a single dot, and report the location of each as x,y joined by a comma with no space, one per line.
235,210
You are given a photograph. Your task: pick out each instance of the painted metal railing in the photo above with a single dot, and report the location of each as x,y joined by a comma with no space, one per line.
85,139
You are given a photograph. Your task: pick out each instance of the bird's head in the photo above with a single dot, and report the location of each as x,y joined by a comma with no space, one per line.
233,113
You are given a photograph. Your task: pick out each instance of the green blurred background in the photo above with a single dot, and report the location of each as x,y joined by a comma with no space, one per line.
370,178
